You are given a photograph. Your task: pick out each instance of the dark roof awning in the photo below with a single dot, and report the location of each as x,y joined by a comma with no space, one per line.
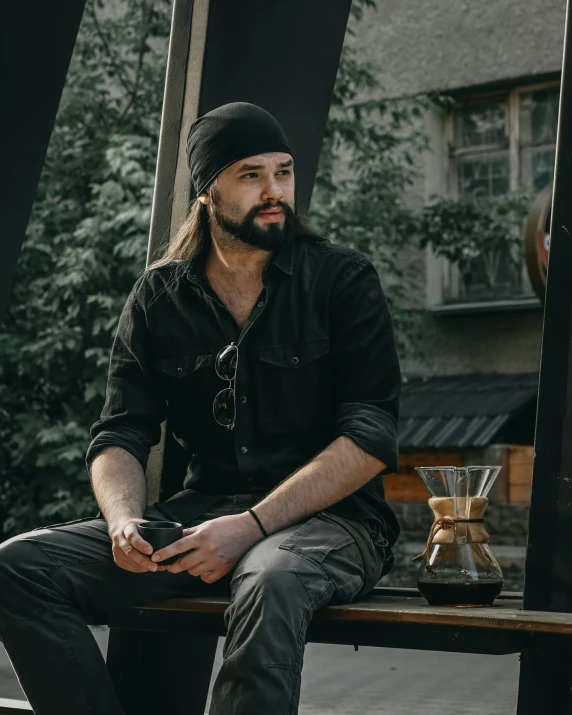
467,411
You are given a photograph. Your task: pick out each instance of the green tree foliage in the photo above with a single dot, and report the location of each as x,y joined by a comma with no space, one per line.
482,235
86,242
85,247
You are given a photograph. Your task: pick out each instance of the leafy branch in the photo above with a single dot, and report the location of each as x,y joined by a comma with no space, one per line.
480,234
111,55
147,13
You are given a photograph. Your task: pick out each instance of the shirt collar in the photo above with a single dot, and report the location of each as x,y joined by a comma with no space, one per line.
196,269
282,259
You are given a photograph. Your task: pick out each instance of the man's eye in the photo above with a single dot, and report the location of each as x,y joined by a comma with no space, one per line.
250,174
284,171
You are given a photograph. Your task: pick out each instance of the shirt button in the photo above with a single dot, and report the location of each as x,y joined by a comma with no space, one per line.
261,304
244,450
243,400
295,360
179,371
193,278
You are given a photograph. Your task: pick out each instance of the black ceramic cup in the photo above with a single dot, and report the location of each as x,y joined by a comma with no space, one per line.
160,534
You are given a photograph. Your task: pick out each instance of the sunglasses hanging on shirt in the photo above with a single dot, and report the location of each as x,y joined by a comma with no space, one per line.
224,405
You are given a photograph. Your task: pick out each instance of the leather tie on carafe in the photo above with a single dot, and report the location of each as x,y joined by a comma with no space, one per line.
443,531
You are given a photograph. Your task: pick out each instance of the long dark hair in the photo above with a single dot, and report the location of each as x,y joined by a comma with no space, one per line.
190,239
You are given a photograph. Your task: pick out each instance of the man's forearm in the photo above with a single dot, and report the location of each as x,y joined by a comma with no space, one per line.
332,475
119,485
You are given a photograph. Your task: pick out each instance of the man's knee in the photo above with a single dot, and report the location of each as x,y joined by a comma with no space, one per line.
15,554
263,600
285,578
274,579
22,576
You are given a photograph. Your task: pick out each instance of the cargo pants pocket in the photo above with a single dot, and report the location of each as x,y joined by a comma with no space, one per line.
334,550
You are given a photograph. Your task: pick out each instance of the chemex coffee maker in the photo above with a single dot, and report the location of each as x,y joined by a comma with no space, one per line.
458,567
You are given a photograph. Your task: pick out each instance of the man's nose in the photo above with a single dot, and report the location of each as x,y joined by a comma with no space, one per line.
271,191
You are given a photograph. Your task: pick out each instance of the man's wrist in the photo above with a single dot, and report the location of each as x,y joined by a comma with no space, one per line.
117,523
251,525
256,518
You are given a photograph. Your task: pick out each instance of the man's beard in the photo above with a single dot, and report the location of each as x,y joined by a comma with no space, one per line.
246,231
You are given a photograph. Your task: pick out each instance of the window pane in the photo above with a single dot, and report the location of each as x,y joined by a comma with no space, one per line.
478,124
537,166
484,173
498,276
539,116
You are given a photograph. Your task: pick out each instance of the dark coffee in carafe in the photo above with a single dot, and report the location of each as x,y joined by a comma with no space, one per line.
481,593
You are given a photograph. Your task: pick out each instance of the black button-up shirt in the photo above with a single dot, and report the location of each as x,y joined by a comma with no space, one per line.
317,360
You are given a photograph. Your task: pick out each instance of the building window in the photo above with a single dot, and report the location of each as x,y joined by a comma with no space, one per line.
538,121
481,148
499,143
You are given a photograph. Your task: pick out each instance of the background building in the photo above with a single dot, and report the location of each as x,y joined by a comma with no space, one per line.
470,393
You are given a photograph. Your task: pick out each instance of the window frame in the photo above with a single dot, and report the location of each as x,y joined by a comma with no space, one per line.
449,274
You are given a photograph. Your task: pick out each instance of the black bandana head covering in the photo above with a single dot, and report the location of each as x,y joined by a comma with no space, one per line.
228,134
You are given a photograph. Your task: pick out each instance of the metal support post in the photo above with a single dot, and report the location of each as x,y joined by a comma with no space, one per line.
546,679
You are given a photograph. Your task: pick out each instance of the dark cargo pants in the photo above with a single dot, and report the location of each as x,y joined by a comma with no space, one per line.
52,580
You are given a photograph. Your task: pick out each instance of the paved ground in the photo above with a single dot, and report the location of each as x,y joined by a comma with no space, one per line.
376,681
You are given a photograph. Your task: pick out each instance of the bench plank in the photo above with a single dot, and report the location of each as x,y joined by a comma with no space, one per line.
386,618
506,614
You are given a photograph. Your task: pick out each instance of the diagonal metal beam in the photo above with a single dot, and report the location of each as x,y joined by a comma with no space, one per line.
37,45
282,56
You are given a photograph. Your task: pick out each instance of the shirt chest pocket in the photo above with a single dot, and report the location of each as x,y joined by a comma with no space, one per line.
177,374
296,391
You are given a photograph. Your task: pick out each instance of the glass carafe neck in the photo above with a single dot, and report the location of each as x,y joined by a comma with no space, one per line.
459,482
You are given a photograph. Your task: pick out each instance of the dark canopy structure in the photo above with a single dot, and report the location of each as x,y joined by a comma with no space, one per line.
284,56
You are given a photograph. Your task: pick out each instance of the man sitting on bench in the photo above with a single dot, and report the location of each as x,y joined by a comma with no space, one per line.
270,352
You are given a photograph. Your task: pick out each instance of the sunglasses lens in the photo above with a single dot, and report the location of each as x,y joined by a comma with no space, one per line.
223,407
226,361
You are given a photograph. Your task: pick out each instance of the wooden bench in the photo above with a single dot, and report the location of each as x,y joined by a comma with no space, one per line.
174,642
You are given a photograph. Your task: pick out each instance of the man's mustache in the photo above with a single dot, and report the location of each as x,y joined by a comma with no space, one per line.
255,210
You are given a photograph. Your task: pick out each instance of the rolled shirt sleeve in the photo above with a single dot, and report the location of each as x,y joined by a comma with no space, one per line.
134,409
367,373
